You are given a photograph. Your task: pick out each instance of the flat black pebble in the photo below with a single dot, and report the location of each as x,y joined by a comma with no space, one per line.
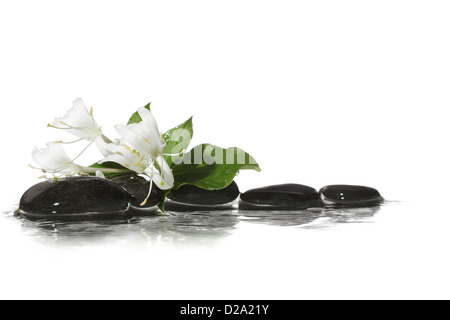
192,195
280,197
183,207
350,196
73,196
138,189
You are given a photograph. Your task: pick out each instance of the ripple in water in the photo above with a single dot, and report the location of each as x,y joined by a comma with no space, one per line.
182,226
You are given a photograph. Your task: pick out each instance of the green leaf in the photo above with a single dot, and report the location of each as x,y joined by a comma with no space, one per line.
210,167
136,118
110,165
178,139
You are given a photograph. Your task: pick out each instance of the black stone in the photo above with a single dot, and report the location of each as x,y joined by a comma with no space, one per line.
350,196
192,195
72,197
138,189
280,197
183,207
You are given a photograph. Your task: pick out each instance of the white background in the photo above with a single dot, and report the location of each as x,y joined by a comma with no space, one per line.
319,92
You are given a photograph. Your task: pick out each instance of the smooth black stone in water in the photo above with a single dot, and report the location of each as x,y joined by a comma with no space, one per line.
280,197
193,195
183,207
350,196
138,189
76,196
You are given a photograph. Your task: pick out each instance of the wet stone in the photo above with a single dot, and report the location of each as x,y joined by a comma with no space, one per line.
184,207
138,189
72,197
350,196
193,195
280,197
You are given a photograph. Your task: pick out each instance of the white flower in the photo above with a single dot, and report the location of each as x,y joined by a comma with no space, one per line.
54,159
141,164
81,123
144,136
141,150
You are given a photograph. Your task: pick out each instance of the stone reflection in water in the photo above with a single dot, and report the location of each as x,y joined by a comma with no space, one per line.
280,218
311,218
350,215
185,226
179,226
204,225
76,232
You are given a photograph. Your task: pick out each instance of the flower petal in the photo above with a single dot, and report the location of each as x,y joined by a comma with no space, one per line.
166,173
132,138
102,146
154,175
148,120
139,130
152,148
126,159
54,159
82,123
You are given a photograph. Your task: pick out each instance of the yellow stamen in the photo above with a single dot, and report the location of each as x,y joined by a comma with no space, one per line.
119,153
58,141
32,167
161,136
63,123
91,112
42,177
43,171
138,154
136,164
69,162
126,165
140,159
127,147
68,175
146,140
148,195
84,174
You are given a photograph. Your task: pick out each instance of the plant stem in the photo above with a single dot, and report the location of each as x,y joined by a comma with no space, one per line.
104,170
106,139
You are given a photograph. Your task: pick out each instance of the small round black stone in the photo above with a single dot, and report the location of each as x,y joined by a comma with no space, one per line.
193,195
279,197
72,196
350,196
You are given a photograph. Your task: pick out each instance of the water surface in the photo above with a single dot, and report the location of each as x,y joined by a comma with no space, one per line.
195,226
